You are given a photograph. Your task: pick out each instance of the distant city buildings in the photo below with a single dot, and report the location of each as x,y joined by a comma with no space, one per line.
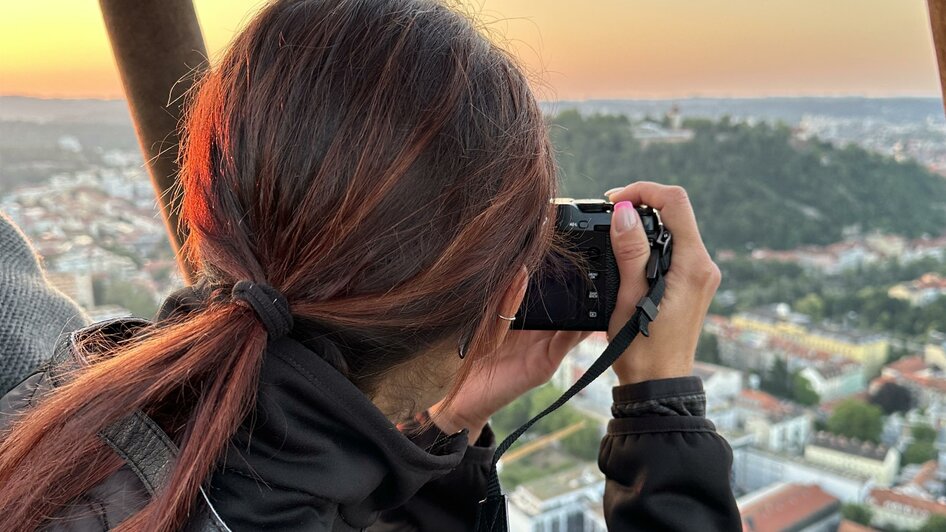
832,381
855,252
755,468
558,502
753,341
902,510
776,425
649,133
96,227
919,292
790,506
778,321
858,458
597,395
722,386
925,381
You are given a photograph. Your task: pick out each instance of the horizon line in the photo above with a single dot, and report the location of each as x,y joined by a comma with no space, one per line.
830,96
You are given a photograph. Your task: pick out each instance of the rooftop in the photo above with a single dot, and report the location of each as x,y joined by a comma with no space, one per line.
773,407
928,281
907,365
829,365
847,445
903,503
782,313
787,506
925,475
915,371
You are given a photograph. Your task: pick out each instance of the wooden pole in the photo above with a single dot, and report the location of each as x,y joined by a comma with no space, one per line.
159,51
937,10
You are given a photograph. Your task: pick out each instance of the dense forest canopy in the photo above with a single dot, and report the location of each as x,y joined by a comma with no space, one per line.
755,185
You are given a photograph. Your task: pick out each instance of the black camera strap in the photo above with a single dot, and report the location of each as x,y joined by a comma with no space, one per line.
491,515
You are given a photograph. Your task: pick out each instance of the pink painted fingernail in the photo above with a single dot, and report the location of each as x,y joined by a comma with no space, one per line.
624,216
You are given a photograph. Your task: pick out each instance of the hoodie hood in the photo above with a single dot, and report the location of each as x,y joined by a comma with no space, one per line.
315,453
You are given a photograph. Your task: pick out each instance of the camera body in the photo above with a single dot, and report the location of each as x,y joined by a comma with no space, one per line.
565,296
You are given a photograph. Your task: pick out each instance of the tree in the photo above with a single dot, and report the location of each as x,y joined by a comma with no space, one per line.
918,452
585,443
777,380
923,432
760,175
510,417
891,397
857,419
812,305
858,513
803,392
936,523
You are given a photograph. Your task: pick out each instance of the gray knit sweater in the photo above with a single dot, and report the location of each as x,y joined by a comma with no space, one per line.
32,313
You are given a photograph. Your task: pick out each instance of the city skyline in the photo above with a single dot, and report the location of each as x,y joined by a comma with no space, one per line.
609,49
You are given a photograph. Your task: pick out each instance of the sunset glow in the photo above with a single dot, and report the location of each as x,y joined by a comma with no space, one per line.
575,50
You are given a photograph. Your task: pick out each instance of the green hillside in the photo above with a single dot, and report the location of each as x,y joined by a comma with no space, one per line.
755,186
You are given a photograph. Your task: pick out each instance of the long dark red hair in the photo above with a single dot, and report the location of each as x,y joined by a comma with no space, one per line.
380,163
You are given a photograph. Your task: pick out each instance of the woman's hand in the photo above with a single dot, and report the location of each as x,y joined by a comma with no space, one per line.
526,359
691,283
529,358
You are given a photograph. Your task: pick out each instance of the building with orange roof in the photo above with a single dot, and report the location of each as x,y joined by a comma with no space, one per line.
902,510
921,291
789,506
926,382
921,479
905,366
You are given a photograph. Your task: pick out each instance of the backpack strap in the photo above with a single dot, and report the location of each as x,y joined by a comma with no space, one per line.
147,450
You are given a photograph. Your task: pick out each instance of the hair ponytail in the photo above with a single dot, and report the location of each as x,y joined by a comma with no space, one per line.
384,165
217,351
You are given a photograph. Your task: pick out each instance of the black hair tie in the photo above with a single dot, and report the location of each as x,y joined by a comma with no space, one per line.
270,306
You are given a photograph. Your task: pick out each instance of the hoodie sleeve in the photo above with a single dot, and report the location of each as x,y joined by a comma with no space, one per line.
666,467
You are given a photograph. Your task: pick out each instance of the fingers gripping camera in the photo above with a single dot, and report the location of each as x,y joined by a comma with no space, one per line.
577,290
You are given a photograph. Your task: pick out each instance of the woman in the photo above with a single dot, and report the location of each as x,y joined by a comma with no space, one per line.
366,186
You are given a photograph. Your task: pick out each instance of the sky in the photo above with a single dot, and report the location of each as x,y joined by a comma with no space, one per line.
573,49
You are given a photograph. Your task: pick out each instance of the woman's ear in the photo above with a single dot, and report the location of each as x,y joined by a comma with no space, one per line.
515,292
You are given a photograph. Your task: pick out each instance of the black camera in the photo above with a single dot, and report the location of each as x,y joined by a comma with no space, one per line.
578,291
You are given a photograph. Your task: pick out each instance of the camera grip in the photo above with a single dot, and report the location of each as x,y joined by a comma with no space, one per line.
612,279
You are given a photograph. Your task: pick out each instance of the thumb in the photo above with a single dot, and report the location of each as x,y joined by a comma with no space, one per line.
631,251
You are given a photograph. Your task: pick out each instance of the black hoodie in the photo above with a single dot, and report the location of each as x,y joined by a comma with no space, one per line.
315,454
